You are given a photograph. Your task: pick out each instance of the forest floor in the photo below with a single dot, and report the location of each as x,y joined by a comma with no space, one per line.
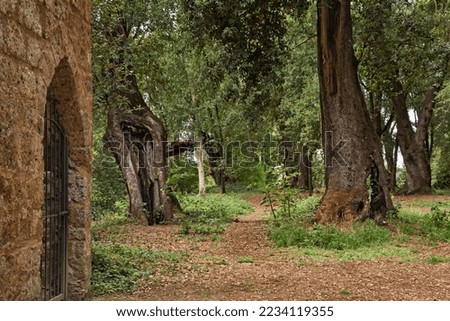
243,264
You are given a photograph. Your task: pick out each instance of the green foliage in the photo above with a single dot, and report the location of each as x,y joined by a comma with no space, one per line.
252,178
401,40
297,231
440,168
279,194
245,259
211,213
108,190
434,259
299,110
306,207
108,227
113,269
291,206
252,37
119,267
441,192
183,176
329,237
439,219
365,240
216,260
427,203
434,226
395,250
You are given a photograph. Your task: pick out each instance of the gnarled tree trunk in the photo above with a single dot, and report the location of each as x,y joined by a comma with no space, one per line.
352,148
137,138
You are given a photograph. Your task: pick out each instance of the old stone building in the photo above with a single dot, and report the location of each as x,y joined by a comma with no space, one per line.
45,149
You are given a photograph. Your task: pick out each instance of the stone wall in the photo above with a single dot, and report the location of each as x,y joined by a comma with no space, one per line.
44,46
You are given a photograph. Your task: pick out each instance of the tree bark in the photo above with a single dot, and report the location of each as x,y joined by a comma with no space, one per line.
352,147
305,170
137,139
390,152
412,144
201,169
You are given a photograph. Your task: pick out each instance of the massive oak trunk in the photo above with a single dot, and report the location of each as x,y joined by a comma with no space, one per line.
352,148
137,138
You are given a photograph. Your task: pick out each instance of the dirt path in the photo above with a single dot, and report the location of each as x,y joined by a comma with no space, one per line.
214,270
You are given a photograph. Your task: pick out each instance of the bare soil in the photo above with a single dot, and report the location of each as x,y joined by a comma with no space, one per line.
213,270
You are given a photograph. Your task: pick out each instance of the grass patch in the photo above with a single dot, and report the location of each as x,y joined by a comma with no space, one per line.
403,254
365,241
441,192
306,207
329,237
245,259
345,292
118,267
434,226
293,207
436,259
210,214
108,227
426,203
217,238
216,260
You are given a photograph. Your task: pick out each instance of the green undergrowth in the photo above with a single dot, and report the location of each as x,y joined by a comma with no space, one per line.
245,259
427,203
119,267
210,214
402,253
109,227
329,237
436,259
365,240
433,226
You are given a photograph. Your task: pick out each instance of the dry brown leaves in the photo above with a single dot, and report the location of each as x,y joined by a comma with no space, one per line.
213,271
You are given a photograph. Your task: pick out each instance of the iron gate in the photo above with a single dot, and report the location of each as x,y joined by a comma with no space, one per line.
55,216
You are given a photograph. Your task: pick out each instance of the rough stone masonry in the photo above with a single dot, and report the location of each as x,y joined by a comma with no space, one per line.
44,48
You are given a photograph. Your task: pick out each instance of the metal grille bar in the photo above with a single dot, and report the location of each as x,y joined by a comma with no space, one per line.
55,216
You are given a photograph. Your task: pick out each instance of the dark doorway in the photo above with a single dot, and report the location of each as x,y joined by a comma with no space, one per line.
55,213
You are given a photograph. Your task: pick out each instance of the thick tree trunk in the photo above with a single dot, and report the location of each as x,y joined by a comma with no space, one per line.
352,148
137,139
